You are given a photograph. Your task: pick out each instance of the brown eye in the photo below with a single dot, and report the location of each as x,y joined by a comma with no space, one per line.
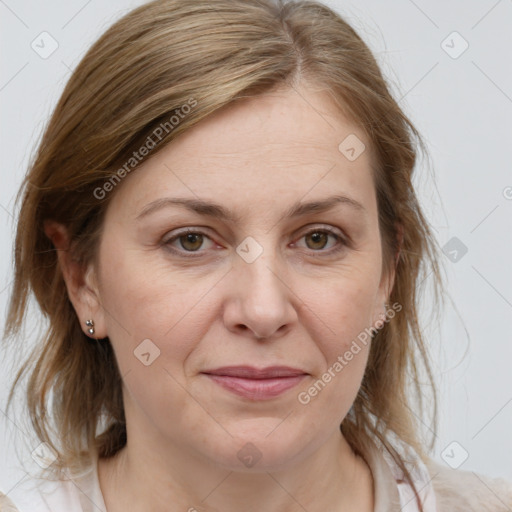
188,241
319,239
191,241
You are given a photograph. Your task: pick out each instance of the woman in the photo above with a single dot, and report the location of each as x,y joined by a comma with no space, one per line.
221,228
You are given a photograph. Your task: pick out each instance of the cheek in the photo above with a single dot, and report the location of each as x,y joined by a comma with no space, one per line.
154,321
149,301
343,309
340,319
331,391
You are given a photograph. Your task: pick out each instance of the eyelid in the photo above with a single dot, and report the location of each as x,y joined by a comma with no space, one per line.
166,240
342,239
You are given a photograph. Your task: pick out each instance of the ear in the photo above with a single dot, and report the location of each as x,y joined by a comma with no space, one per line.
81,283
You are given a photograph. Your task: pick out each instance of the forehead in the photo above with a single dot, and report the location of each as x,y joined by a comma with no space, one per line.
286,124
280,146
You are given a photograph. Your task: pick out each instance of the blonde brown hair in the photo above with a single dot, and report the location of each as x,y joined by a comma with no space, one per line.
148,65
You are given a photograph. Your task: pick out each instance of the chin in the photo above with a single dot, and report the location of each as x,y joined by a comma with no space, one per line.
255,452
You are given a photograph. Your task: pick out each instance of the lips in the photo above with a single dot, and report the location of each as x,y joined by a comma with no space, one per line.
249,372
255,383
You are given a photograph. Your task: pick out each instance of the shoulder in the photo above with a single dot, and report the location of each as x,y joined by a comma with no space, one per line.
6,505
35,494
466,491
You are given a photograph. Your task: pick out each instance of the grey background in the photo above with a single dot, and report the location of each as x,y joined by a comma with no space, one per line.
463,108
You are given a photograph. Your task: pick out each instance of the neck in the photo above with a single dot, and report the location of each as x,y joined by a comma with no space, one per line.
145,477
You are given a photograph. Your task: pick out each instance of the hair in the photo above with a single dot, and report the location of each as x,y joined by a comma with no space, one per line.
143,70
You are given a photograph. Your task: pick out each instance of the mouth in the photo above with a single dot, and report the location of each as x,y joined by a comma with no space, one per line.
254,383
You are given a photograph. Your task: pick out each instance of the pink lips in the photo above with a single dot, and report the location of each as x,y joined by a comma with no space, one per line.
254,383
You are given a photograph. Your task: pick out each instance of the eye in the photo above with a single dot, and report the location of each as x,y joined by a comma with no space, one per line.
189,241
317,239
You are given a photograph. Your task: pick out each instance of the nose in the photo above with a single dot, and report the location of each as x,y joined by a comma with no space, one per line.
261,303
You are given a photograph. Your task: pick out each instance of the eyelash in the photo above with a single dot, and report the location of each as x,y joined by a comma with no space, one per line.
342,242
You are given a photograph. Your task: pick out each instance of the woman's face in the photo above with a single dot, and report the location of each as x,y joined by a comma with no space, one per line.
262,281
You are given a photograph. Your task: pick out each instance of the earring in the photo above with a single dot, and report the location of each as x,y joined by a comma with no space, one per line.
90,324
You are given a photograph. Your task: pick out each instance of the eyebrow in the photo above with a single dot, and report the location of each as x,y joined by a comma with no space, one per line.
218,211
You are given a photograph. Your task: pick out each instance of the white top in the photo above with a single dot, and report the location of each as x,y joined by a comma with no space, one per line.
83,492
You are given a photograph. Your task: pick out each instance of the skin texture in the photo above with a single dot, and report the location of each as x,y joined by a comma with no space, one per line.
297,304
